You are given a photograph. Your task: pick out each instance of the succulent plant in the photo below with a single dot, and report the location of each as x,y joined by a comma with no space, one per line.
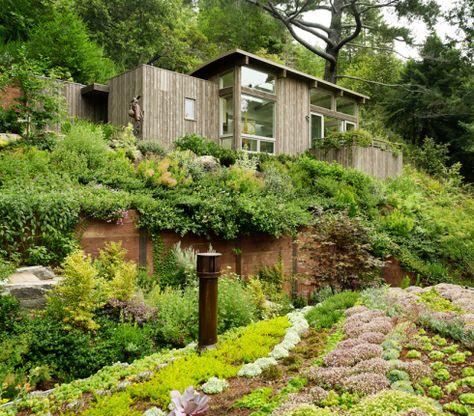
189,403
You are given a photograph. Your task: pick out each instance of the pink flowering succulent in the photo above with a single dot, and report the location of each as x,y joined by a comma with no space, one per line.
372,337
374,365
366,383
326,376
189,403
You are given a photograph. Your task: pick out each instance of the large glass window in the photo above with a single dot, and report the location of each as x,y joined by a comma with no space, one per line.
317,127
321,98
331,125
226,116
346,106
257,116
226,80
251,78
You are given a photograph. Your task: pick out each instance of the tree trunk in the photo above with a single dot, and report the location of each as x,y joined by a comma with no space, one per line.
335,34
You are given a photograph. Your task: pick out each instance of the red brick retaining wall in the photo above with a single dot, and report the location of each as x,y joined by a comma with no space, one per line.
257,250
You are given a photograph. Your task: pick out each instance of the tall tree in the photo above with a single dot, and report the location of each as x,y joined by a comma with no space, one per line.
348,19
437,101
237,24
132,32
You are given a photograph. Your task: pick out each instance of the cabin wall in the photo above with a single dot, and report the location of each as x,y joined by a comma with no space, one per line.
292,116
372,160
122,89
89,108
163,104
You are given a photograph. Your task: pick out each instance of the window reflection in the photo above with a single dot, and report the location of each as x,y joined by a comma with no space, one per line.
251,78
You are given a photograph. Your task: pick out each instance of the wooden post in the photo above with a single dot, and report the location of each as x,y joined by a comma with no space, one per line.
208,271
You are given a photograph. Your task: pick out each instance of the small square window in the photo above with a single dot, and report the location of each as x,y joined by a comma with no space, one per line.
190,109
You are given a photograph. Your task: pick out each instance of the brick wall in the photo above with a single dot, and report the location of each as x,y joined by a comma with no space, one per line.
9,96
257,250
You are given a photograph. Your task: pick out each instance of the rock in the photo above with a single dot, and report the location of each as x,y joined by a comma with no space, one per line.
208,163
74,405
30,286
41,272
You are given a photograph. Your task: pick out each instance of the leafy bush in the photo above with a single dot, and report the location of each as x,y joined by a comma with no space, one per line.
177,321
235,304
75,298
10,315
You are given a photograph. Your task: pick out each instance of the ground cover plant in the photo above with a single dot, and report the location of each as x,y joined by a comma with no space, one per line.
99,172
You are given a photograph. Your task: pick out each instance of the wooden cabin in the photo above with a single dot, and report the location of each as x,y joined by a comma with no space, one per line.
241,101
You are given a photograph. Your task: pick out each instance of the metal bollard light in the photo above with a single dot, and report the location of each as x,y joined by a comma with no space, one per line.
208,271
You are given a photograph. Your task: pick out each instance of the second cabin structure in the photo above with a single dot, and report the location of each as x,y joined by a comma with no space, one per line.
240,100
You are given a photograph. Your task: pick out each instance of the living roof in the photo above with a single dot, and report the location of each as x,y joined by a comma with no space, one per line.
238,56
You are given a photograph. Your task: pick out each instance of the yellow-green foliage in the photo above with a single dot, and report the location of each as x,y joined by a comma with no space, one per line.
243,346
77,296
120,274
437,303
117,405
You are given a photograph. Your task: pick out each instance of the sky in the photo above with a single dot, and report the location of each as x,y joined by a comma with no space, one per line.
419,30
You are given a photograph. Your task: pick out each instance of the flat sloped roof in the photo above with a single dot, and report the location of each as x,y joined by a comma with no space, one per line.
237,55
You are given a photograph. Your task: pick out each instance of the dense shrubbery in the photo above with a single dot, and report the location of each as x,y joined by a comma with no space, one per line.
428,224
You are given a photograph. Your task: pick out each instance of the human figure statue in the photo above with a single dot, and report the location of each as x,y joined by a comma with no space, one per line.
136,113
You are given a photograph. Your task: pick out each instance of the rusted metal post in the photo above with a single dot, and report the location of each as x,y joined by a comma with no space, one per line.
208,271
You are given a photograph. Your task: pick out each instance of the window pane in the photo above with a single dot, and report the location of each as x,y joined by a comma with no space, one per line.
226,80
249,144
189,109
267,147
321,98
331,125
251,78
346,106
257,116
227,142
226,116
316,126
350,126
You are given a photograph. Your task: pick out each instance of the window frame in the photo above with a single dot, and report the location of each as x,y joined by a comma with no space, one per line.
311,126
193,100
346,122
264,91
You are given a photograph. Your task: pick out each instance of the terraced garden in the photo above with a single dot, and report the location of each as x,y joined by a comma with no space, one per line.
383,352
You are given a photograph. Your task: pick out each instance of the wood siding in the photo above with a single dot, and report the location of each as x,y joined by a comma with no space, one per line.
163,104
122,89
292,124
88,108
373,161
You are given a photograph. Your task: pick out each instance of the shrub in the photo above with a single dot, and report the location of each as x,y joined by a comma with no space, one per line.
413,354
10,315
456,408
177,321
457,358
467,398
235,304
442,374
75,298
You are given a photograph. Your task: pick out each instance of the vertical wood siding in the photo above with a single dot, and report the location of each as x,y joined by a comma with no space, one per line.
292,126
163,103
82,107
373,161
122,89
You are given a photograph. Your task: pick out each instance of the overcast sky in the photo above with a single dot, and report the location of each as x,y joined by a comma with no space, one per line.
419,30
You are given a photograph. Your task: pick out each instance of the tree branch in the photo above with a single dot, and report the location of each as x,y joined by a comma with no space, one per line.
312,31
314,25
358,28
378,48
369,6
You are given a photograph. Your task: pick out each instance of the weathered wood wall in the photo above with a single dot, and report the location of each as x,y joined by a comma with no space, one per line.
122,89
163,103
292,124
93,109
373,161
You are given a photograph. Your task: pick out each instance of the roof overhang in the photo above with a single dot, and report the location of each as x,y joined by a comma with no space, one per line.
95,90
240,57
